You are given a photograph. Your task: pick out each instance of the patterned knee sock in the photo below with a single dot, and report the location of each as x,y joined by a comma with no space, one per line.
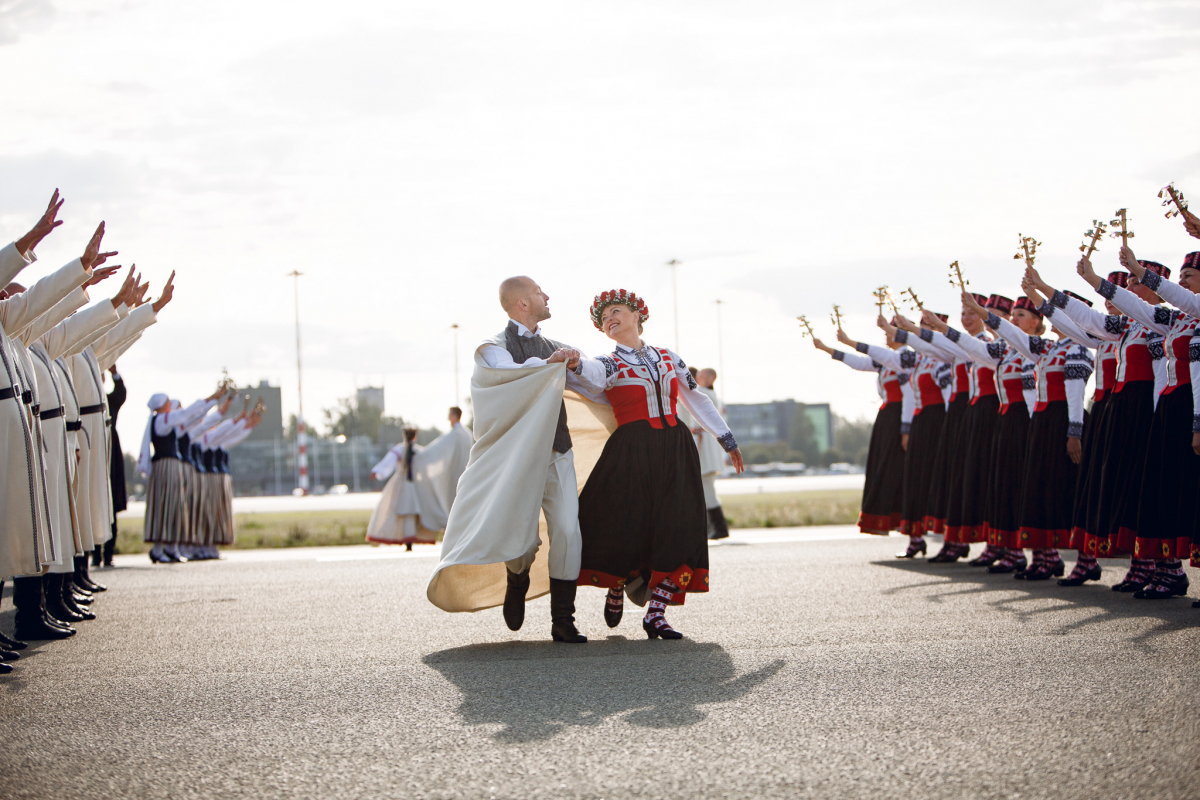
1050,557
659,599
1083,565
1170,570
615,600
1140,570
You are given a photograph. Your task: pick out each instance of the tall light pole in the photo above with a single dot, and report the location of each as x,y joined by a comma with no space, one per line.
721,354
457,398
301,435
674,265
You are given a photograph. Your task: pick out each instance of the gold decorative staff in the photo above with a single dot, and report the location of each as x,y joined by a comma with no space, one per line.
912,296
956,277
1089,245
1173,196
881,297
1028,250
836,316
1123,223
887,293
804,321
260,406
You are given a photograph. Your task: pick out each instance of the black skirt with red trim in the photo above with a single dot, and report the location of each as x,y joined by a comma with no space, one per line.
883,486
1008,467
1048,491
923,438
1089,473
1113,528
642,513
1170,481
947,465
967,512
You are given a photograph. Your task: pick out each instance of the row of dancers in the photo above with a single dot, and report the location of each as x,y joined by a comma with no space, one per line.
185,454
983,435
56,497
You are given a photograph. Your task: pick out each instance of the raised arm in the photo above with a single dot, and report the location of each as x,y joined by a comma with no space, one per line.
1186,301
1068,326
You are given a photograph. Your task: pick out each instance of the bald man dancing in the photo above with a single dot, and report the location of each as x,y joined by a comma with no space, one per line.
521,459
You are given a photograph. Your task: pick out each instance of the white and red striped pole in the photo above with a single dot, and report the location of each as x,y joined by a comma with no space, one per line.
301,434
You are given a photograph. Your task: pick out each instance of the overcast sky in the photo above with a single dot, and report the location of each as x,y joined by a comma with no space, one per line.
409,156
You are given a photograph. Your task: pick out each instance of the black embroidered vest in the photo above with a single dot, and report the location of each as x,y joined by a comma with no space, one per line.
522,348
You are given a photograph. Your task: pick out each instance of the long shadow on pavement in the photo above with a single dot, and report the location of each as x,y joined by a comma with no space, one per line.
1173,615
537,690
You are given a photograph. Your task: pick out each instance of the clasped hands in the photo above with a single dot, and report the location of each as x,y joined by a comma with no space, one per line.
569,355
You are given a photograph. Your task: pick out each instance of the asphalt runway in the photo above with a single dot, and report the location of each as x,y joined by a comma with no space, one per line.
817,667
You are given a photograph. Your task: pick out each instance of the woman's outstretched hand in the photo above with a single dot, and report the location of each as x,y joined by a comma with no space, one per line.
735,456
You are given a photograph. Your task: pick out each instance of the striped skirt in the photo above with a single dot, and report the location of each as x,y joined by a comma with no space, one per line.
167,520
225,534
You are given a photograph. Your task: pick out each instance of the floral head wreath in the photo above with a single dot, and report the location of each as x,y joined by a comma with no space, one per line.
618,297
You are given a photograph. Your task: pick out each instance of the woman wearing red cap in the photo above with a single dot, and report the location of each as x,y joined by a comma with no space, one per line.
642,512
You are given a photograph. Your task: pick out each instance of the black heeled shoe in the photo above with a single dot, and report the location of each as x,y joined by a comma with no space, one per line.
658,627
1164,591
1043,572
9,655
12,644
1001,567
912,550
5,668
613,618
1092,574
985,559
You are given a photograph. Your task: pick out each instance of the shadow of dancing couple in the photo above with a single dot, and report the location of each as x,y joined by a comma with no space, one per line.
549,420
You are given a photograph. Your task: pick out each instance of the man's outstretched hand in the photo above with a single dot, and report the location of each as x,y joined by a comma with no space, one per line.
91,254
42,228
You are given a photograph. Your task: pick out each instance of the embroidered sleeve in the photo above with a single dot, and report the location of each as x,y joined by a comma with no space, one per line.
1162,315
838,355
1059,299
861,347
953,335
926,335
1074,430
1151,281
728,443
1113,323
1046,309
1076,372
610,365
1155,346
876,364
992,321
1107,290
902,378
1038,345
1194,350
997,350
902,337
682,369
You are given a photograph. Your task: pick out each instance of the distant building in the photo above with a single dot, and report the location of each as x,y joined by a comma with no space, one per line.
372,395
767,423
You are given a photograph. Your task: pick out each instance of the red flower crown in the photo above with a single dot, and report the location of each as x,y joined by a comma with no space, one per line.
618,297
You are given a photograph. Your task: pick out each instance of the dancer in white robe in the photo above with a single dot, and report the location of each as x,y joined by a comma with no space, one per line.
417,499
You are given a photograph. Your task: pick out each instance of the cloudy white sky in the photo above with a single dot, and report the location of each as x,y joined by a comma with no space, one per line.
408,156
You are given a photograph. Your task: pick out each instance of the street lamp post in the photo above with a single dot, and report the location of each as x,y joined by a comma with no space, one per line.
301,435
721,355
354,462
674,265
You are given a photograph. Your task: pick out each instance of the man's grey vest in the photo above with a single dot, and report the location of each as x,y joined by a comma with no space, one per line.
523,348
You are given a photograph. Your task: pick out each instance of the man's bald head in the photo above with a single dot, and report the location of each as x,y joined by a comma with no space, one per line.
707,377
524,301
513,289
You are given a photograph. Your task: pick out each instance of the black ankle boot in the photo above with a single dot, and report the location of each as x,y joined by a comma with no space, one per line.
68,598
97,551
53,583
12,644
562,613
82,577
514,599
110,547
720,527
31,623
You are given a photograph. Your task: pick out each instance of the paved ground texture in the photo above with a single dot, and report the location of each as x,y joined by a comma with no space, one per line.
815,668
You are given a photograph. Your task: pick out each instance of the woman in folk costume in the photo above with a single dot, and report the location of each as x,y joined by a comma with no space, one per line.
883,483
167,519
969,496
1129,413
920,429
205,495
946,478
1054,449
418,496
641,512
1167,508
